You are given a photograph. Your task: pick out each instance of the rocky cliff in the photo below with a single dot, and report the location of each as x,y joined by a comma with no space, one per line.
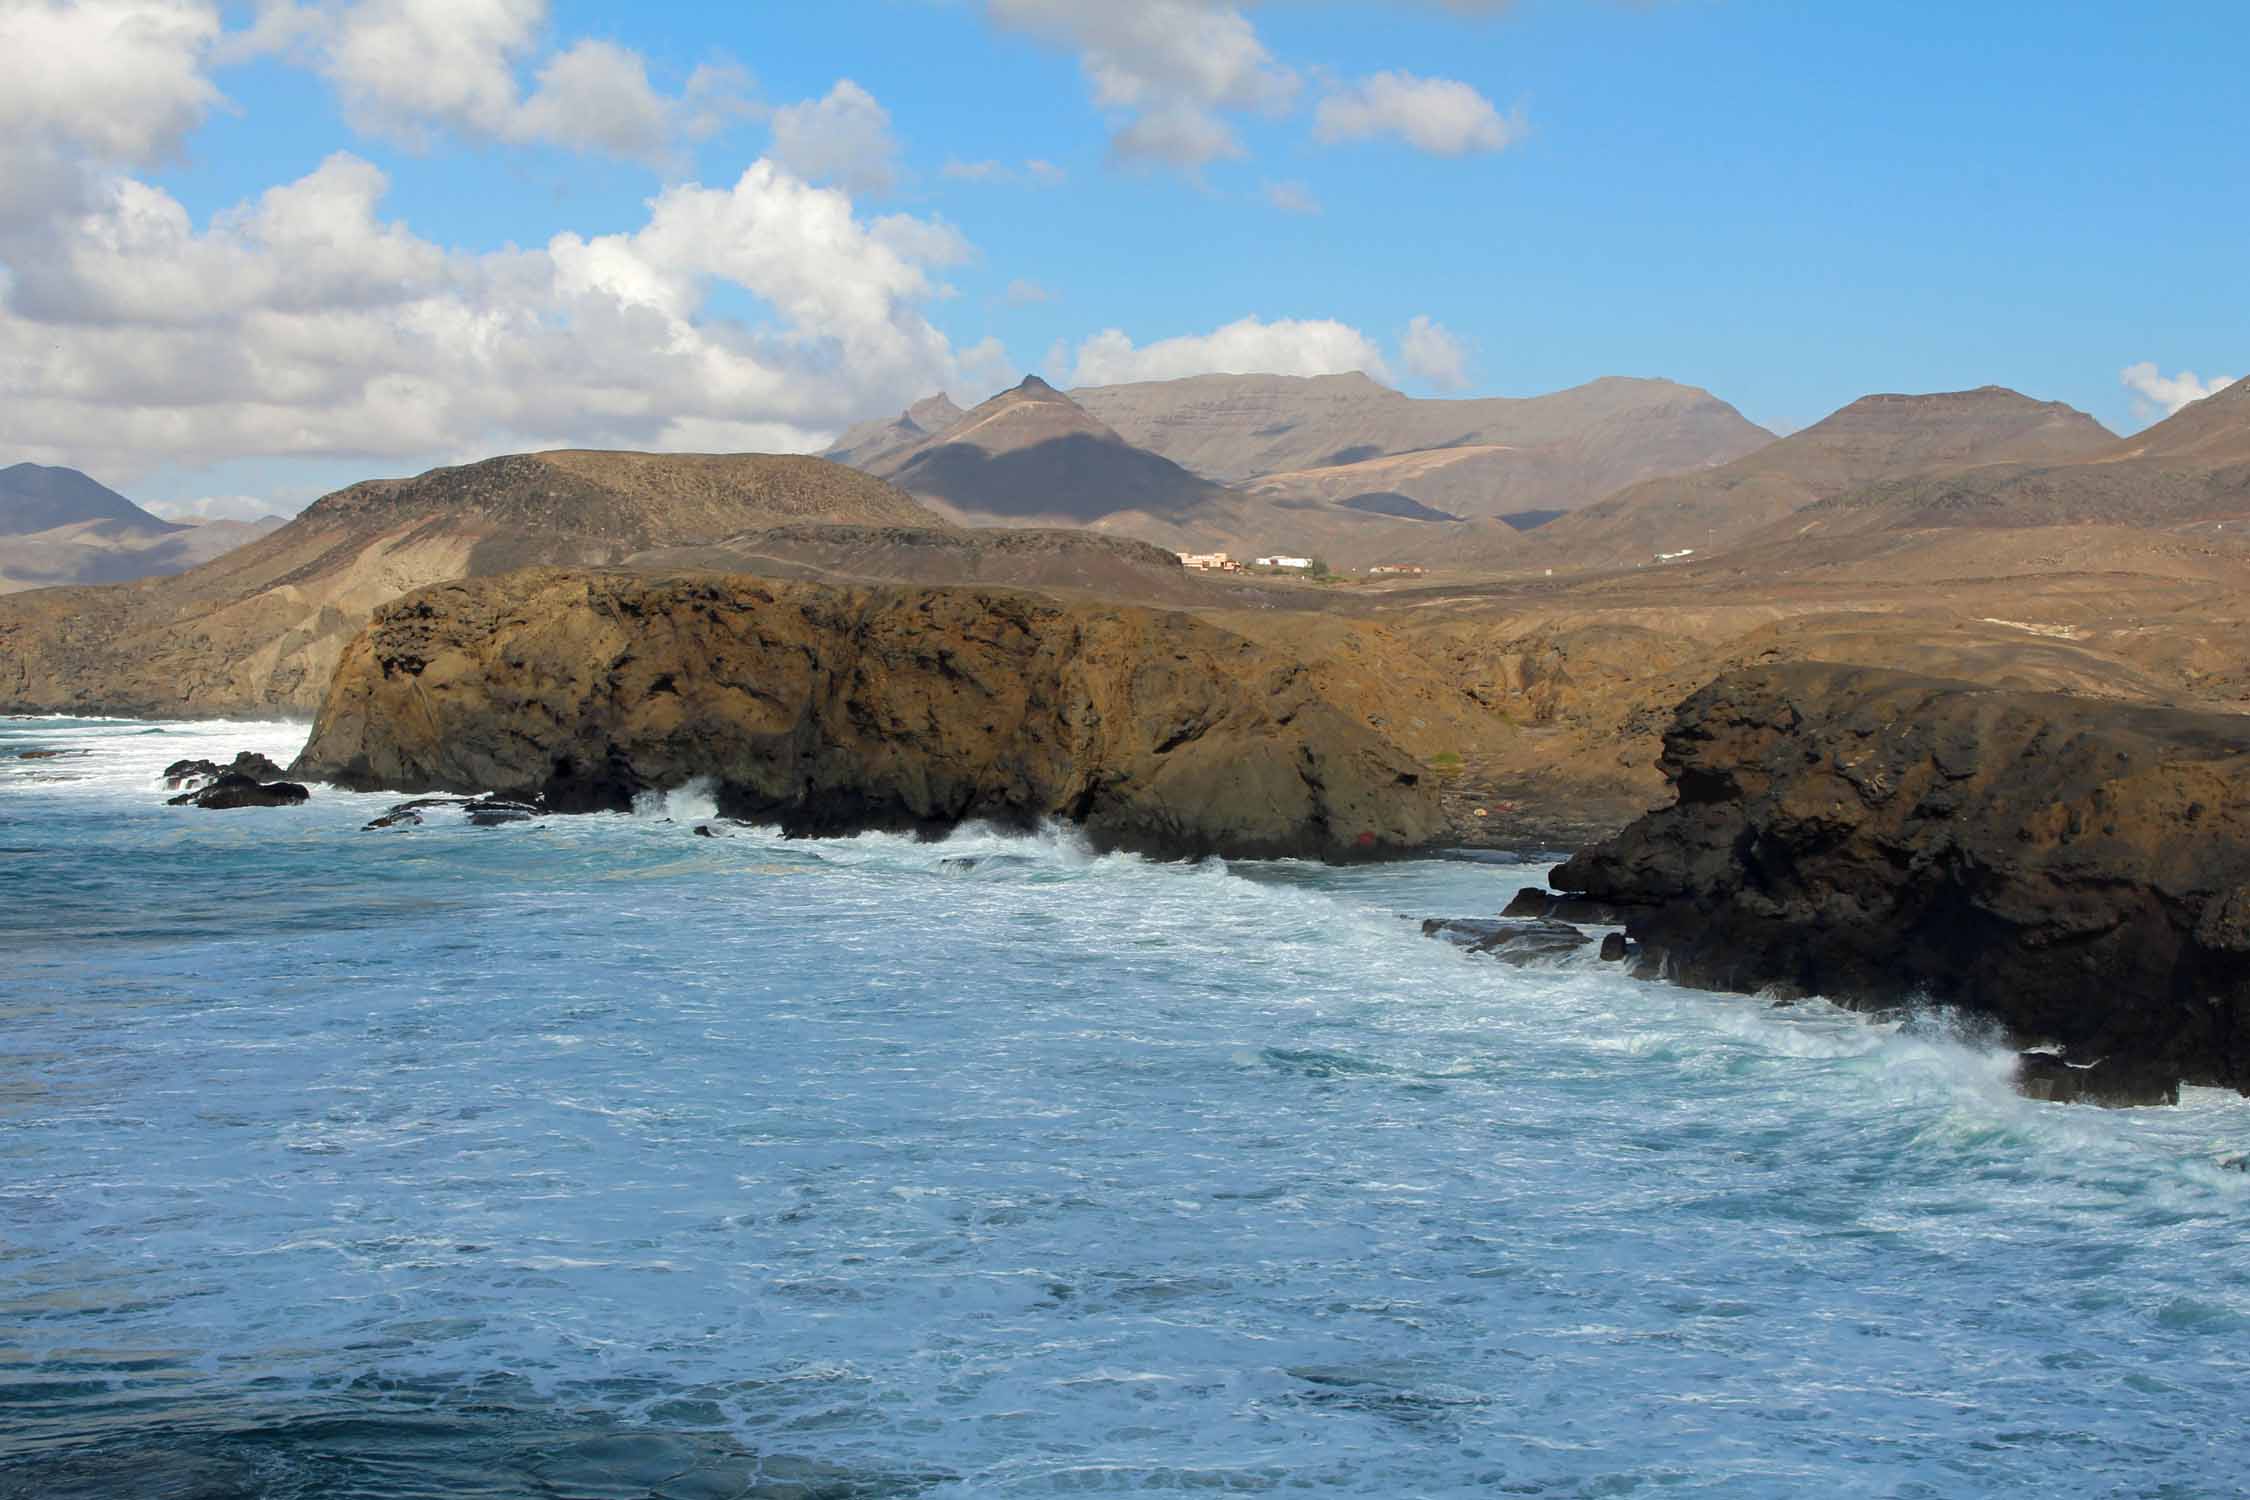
2078,870
831,710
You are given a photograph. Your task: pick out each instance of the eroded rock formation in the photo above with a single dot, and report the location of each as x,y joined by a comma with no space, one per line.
831,710
2078,870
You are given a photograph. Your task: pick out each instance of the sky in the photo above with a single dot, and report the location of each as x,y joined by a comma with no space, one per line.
252,252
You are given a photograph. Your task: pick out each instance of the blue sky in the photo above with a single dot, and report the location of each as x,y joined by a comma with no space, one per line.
1790,205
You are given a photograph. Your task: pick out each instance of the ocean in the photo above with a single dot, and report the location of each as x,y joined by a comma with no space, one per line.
588,1157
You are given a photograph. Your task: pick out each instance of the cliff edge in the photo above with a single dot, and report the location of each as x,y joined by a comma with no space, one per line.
2077,869
830,710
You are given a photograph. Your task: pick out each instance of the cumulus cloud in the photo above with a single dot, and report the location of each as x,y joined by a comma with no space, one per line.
844,139
1431,353
1022,293
1292,198
415,70
122,80
2156,394
213,508
1164,70
305,323
1248,346
1442,116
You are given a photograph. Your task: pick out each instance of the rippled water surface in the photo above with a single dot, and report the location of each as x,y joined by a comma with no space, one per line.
594,1158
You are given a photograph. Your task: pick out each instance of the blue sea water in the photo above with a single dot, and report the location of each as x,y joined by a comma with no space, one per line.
590,1157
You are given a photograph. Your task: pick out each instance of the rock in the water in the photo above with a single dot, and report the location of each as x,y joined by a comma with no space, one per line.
2116,1085
194,773
1533,902
829,710
2077,870
479,812
1515,941
49,754
1614,947
231,790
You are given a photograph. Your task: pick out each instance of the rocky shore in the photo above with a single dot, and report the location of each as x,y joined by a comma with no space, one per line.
2079,871
831,710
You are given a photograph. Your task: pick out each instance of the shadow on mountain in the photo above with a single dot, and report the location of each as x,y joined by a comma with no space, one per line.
1080,476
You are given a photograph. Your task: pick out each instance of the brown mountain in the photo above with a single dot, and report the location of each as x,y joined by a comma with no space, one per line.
1032,452
1875,438
58,526
868,443
1032,456
2188,472
258,631
1333,436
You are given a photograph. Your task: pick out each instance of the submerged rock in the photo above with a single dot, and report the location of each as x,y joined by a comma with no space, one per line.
2077,870
49,754
480,812
1511,940
1614,947
194,773
2115,1085
828,710
231,790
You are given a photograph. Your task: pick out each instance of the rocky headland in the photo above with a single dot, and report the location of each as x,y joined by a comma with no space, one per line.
2078,871
831,710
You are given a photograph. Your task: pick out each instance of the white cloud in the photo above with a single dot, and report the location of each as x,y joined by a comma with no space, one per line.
1440,115
1022,293
1162,69
122,80
1431,353
1292,198
1036,172
215,508
303,323
1248,346
844,139
414,70
2159,395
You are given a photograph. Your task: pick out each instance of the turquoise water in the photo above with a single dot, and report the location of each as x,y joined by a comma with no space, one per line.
590,1158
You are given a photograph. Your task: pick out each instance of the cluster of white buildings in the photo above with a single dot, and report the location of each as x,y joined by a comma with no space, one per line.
1219,562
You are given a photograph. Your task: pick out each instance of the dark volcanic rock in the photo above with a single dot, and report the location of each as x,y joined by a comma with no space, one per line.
828,710
1516,942
2117,1085
246,763
1532,902
1614,947
480,812
231,790
49,754
2078,870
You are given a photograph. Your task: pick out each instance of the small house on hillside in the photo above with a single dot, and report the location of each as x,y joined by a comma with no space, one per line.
1210,562
1284,562
1405,570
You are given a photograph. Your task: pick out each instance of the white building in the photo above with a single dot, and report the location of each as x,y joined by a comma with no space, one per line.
1284,562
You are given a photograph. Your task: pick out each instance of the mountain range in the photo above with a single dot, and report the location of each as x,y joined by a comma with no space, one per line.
59,526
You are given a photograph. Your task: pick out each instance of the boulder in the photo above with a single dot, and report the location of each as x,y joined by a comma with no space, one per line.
231,790
2077,870
192,773
828,710
2110,1083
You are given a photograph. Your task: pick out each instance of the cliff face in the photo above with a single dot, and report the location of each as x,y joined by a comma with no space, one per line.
2079,870
833,710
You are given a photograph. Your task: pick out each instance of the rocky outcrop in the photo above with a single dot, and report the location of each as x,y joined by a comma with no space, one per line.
2078,870
830,710
231,791
195,773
